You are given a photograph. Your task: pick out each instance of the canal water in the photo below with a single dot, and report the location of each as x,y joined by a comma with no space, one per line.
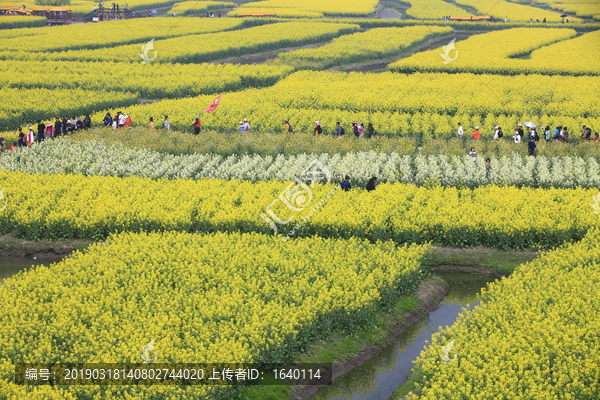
378,378
11,265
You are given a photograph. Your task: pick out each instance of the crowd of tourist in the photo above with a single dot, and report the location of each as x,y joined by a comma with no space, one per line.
523,133
560,133
47,130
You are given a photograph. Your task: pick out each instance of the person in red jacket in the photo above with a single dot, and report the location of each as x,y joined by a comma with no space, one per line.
196,125
476,135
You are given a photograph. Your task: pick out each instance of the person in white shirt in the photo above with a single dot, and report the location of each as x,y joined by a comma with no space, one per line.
460,131
122,118
166,123
517,137
30,137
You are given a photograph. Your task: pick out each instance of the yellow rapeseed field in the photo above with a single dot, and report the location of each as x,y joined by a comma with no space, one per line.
209,46
94,207
107,34
330,7
434,9
534,336
202,298
372,44
515,12
199,7
541,54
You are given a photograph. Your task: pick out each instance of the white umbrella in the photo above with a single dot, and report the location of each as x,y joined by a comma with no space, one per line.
530,124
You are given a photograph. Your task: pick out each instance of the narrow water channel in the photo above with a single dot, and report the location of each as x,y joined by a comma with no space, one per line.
11,265
378,378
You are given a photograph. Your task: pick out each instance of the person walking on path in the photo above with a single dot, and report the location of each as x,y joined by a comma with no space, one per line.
346,186
151,124
531,146
517,137
108,120
87,122
586,133
41,129
49,130
372,184
21,142
565,134
121,119
241,128
520,132
339,131
196,125
57,127
166,123
246,126
371,132
476,134
557,132
65,125
287,127
30,138
318,130
533,134
460,132
473,154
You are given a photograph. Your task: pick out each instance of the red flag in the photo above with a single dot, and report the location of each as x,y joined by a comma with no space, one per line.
213,105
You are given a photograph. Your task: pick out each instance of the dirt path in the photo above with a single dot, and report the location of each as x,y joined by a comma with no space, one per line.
258,58
400,8
11,246
381,64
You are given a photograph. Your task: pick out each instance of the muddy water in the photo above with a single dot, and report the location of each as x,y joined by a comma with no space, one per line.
379,377
11,265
